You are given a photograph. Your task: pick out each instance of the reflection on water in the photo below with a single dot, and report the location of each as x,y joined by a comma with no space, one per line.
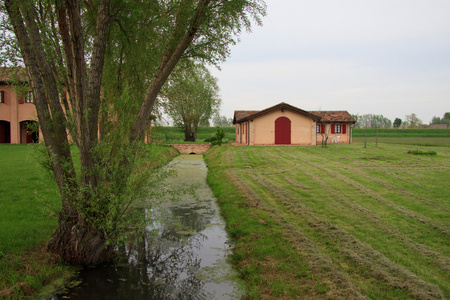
187,259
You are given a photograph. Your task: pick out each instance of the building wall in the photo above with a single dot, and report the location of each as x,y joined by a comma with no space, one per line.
336,137
242,133
439,126
302,128
14,112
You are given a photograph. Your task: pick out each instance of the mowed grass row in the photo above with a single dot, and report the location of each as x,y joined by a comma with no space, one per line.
338,222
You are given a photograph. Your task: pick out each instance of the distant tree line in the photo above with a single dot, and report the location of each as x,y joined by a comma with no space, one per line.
443,120
371,121
410,121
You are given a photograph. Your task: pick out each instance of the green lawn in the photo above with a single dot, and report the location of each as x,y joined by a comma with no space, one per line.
29,204
338,222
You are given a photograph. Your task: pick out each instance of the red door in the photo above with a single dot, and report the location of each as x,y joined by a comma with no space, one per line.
282,131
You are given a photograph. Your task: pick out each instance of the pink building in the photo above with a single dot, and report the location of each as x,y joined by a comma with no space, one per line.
284,124
17,110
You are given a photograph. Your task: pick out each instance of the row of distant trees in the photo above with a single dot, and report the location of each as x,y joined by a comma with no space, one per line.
410,121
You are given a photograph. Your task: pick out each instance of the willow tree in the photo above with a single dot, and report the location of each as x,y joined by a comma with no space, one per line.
102,53
192,97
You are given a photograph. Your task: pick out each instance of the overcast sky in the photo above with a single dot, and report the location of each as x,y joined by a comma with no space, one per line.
389,57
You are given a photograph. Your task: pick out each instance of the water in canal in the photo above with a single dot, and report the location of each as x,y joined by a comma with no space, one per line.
184,261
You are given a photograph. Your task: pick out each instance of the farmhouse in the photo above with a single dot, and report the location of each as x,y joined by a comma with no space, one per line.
284,124
17,110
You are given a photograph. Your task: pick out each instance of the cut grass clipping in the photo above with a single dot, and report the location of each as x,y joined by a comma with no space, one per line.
418,152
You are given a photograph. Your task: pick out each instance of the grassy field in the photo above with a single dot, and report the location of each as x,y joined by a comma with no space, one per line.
395,132
172,135
29,203
416,137
342,222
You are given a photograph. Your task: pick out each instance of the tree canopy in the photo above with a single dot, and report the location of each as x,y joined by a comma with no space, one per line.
111,58
412,121
397,123
191,97
372,121
444,120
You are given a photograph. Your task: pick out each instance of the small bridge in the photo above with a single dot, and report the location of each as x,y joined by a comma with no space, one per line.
191,148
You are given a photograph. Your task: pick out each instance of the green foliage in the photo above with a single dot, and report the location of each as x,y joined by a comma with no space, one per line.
444,120
397,122
222,121
412,121
191,97
220,134
144,42
371,121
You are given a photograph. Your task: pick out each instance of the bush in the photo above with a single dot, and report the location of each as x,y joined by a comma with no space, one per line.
219,136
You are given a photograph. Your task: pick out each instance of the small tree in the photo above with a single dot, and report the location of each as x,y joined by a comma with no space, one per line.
397,122
413,121
191,97
220,134
222,121
325,136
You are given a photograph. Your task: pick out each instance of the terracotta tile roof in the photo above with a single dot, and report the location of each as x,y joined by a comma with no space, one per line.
244,115
320,116
241,114
334,116
13,74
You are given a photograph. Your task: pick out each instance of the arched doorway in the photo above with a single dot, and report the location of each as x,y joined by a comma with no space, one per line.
282,131
5,132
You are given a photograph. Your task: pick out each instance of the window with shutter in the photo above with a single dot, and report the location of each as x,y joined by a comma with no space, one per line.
2,96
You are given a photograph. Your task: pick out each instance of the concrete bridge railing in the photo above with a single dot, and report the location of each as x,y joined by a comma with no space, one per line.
191,148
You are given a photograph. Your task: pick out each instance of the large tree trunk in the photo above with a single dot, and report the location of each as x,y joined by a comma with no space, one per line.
74,240
77,242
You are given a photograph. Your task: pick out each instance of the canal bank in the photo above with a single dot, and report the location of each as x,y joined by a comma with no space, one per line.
187,259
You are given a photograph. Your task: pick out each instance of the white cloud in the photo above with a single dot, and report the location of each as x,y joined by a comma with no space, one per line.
387,57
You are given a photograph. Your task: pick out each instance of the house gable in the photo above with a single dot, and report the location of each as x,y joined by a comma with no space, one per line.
246,115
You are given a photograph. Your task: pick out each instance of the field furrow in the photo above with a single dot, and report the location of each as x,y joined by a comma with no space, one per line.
361,222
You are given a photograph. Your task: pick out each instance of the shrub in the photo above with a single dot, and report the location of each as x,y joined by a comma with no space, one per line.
219,136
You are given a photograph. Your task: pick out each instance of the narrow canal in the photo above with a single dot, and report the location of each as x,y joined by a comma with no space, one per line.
186,259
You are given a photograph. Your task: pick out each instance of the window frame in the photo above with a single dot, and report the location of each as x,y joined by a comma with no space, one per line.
29,98
337,128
